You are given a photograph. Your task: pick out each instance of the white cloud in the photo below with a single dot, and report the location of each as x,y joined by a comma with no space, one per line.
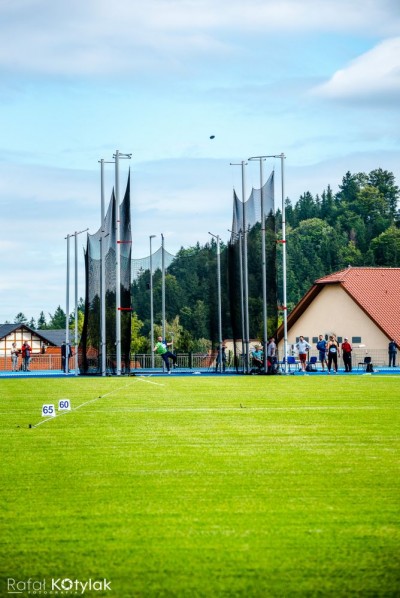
374,75
97,37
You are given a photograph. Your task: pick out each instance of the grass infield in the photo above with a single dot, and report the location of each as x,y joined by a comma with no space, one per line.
203,486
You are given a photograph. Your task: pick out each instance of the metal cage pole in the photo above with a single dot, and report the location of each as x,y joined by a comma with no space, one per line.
76,306
242,292
76,300
285,343
219,300
117,157
102,277
284,289
263,264
238,237
151,305
245,276
103,341
67,311
117,269
163,287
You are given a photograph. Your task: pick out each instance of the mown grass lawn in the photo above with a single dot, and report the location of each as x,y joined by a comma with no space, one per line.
203,486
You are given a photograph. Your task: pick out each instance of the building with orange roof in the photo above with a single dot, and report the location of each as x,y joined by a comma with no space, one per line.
362,304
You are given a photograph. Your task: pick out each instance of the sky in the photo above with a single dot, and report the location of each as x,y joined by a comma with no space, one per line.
318,81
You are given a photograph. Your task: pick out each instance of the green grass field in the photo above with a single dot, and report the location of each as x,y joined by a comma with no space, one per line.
203,486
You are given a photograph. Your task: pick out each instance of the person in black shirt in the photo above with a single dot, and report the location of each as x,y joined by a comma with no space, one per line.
392,353
333,353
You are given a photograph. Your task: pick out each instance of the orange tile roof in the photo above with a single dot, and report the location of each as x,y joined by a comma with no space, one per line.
377,292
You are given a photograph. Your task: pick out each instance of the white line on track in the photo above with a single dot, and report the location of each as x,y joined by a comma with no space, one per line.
144,379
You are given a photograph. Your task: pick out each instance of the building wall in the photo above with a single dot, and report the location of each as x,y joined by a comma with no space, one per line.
20,336
333,311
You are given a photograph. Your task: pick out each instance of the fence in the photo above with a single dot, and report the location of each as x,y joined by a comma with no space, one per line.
201,361
379,358
189,361
37,362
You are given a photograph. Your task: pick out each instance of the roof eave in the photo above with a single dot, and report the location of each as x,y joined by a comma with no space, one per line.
300,308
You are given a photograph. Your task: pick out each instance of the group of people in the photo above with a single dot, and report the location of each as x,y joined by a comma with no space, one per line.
25,353
329,352
162,348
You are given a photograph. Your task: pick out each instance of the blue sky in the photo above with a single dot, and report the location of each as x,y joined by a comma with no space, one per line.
317,80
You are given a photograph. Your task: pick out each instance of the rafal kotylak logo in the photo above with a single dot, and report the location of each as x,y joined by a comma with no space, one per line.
56,585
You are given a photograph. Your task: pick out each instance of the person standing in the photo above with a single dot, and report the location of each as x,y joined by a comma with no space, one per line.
14,357
271,354
392,353
221,358
26,356
302,347
333,353
346,352
66,353
321,346
161,348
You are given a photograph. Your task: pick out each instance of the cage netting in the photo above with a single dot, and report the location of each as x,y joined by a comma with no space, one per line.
247,221
90,348
191,283
140,265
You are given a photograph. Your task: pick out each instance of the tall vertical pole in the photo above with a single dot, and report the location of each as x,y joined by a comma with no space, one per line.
263,263
117,156
244,282
102,277
219,300
283,241
117,269
163,287
242,291
151,305
67,341
282,157
67,312
264,269
76,305
245,274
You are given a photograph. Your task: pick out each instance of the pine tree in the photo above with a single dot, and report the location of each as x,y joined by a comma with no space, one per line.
41,323
58,320
20,318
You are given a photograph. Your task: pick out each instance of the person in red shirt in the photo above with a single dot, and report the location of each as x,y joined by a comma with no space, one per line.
346,352
26,356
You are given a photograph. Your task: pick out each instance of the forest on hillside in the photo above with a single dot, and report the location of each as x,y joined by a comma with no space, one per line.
357,226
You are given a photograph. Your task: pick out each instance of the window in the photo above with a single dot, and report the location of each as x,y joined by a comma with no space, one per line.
356,339
315,339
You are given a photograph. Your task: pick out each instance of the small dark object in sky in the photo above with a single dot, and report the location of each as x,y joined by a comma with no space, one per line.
212,136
